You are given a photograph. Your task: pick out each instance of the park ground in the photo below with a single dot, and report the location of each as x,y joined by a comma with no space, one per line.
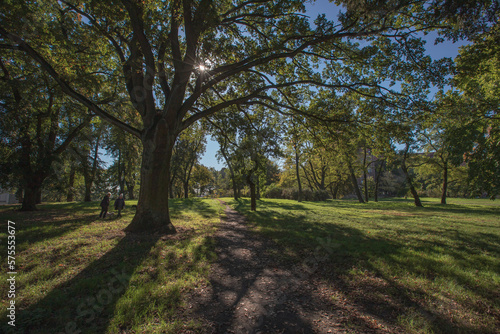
341,266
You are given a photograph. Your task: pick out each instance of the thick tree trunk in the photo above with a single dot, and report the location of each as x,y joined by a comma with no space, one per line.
19,194
32,191
152,208
88,187
355,183
297,171
445,184
29,199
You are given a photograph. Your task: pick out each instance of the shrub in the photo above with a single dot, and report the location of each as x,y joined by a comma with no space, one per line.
289,193
272,191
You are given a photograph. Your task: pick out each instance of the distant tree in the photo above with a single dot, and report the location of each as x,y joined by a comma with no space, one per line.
188,150
86,150
249,139
202,179
126,152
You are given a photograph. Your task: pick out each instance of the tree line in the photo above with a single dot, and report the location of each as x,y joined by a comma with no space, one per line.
355,80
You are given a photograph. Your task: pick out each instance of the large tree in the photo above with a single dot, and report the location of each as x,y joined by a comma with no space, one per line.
476,108
37,123
181,61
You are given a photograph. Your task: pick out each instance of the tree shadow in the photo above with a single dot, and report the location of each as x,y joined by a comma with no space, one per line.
86,302
239,301
243,204
44,226
344,250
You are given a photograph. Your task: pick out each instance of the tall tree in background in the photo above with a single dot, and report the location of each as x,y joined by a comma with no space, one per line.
477,107
126,152
188,150
250,138
86,150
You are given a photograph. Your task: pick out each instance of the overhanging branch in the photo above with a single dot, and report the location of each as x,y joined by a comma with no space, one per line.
25,47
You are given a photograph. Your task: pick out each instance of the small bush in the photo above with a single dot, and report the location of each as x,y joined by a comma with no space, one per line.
290,193
273,191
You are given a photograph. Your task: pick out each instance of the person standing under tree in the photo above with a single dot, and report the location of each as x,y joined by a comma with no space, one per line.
104,206
119,205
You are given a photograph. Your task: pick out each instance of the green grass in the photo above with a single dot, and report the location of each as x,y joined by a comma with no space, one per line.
77,272
429,270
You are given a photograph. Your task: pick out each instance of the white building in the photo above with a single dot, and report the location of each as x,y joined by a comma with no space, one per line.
7,198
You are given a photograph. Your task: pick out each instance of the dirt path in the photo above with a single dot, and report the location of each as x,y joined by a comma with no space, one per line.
249,292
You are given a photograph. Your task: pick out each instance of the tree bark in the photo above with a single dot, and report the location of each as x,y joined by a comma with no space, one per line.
32,191
152,208
29,199
355,183
88,187
445,184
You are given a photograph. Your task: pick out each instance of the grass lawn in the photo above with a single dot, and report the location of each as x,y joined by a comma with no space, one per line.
429,270
77,272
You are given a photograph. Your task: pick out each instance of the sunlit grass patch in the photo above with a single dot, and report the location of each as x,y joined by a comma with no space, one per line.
79,272
434,269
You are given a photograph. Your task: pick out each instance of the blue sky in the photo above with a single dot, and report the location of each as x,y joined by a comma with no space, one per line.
446,49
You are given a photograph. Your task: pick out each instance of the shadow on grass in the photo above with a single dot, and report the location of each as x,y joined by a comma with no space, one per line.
243,203
354,250
409,207
88,302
